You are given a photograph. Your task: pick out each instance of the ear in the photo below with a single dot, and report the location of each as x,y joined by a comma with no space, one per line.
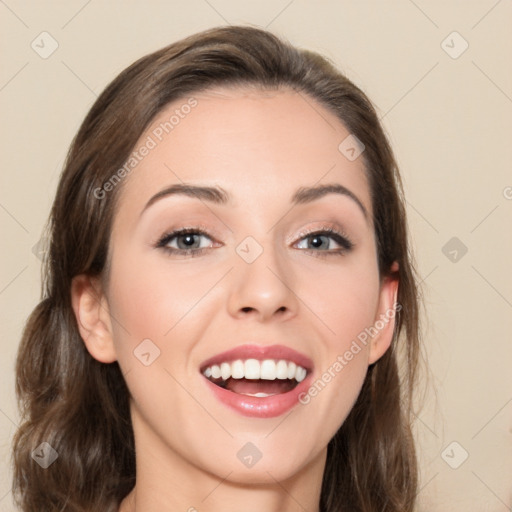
384,323
93,317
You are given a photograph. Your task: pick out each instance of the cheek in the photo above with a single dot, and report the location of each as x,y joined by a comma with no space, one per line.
344,299
173,305
154,322
345,303
148,301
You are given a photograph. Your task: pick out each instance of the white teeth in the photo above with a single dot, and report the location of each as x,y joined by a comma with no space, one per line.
225,371
268,369
237,369
300,374
259,395
282,370
252,369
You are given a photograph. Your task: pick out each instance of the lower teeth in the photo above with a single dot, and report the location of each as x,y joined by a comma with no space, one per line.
224,385
259,395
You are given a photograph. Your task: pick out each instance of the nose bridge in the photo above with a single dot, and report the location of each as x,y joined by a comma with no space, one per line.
262,282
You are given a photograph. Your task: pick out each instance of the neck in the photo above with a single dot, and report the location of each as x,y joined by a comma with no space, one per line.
168,482
286,496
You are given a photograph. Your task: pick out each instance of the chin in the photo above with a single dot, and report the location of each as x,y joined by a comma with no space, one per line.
267,470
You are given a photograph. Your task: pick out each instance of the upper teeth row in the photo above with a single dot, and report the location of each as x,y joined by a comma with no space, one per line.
268,369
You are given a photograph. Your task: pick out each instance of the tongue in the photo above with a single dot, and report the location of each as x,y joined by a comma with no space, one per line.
271,387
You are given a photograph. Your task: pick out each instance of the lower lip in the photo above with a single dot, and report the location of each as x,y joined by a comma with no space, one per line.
260,407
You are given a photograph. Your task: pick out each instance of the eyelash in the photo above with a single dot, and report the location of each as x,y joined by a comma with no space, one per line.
167,237
339,237
346,245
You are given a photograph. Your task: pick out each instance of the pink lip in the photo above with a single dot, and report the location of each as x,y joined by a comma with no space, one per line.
260,353
260,407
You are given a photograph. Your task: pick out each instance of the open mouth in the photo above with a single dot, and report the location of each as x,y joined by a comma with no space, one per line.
256,378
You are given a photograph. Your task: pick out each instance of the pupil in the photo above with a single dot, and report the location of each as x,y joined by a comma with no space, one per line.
188,240
316,241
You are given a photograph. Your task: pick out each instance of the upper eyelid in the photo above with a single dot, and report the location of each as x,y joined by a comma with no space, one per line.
171,233
203,231
331,233
326,229
164,241
329,229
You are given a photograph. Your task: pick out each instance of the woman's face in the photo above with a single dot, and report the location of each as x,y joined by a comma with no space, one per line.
271,257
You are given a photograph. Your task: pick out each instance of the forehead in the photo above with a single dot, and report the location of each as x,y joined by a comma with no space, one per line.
253,143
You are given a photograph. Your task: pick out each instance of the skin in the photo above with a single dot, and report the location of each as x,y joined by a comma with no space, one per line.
260,147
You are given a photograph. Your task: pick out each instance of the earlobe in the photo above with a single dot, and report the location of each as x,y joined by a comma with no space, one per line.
384,323
93,318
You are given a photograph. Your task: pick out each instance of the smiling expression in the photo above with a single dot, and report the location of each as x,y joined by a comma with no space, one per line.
245,226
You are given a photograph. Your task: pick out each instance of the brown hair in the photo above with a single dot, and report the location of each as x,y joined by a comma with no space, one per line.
81,406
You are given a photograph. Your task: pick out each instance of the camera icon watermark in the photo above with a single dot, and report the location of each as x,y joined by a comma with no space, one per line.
454,249
454,45
40,248
44,45
249,455
351,147
45,455
146,352
249,249
454,455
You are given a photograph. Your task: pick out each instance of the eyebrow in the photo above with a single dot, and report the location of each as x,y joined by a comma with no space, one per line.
308,194
211,194
218,195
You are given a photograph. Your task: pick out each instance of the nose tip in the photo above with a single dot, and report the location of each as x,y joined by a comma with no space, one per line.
262,289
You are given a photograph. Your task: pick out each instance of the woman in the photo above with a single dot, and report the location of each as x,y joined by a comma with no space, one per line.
230,313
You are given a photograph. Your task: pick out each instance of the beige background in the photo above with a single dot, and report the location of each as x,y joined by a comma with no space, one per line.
449,120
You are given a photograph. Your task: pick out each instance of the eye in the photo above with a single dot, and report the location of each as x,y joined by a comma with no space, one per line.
186,241
328,240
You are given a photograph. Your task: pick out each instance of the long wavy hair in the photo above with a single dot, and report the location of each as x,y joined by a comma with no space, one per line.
81,406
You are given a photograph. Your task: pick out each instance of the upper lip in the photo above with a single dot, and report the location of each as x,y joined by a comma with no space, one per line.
260,352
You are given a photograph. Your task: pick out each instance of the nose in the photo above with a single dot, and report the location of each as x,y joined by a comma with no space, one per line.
264,288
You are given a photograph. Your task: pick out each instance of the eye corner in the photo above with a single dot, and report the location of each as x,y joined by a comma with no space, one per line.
162,243
338,235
